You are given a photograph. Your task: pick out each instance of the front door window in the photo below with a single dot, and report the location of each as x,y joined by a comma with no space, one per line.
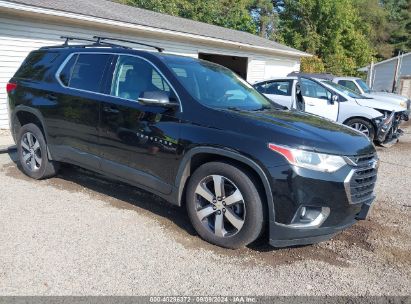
133,76
318,99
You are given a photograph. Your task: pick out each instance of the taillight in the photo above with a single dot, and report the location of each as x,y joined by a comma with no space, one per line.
10,87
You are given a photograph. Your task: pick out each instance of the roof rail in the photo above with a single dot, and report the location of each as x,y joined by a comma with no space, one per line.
96,43
71,38
99,41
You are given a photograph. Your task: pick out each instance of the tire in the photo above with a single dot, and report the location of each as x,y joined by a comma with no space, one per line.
32,153
240,213
362,125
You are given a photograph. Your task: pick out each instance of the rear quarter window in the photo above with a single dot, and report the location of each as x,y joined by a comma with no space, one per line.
36,65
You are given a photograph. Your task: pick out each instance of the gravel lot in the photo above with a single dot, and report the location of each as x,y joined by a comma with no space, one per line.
80,234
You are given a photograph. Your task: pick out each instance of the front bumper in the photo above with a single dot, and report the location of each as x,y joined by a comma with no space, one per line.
388,130
347,194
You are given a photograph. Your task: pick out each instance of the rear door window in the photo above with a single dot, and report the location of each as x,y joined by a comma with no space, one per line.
85,71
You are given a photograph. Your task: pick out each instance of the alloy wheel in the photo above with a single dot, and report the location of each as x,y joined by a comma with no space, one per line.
220,206
31,152
361,127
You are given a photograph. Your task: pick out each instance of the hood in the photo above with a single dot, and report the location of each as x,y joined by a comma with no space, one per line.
300,130
388,97
391,96
379,104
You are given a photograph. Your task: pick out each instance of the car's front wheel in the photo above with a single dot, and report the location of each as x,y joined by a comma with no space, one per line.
224,205
32,152
363,126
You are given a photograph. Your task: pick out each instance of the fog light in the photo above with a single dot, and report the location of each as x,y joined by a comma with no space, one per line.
310,217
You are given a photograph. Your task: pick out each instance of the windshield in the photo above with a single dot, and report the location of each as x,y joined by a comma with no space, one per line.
363,86
216,86
343,89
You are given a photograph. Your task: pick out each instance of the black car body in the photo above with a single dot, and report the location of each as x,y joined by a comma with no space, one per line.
158,143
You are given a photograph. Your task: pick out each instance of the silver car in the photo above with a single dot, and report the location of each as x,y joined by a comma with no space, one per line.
376,119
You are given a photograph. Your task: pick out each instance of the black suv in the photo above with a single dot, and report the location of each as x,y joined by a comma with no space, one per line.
195,134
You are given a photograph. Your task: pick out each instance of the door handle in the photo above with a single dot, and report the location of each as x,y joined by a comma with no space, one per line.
111,109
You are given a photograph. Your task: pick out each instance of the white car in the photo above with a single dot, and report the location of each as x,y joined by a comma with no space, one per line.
377,119
359,86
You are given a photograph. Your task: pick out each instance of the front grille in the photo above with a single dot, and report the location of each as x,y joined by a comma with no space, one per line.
361,181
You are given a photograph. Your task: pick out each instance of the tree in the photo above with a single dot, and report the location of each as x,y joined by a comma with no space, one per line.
170,7
399,18
265,17
374,23
232,14
327,28
312,65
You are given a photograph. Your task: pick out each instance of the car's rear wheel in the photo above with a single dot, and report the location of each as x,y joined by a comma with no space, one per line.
363,126
224,205
32,151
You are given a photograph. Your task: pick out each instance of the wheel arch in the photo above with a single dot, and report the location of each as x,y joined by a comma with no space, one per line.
200,155
363,118
24,115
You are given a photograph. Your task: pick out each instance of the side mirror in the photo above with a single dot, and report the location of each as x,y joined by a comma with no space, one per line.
334,98
156,98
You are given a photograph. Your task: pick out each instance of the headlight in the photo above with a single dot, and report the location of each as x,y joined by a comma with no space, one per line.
310,160
403,104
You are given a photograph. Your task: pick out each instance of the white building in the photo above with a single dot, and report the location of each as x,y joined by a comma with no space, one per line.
26,25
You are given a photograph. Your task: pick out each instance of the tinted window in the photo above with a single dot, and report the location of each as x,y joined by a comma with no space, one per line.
314,90
363,85
349,84
36,65
215,86
278,88
85,71
65,74
134,76
343,89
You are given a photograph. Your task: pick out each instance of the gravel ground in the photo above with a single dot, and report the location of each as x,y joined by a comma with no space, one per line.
80,234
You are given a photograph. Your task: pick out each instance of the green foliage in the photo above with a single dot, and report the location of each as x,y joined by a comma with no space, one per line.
265,17
399,19
329,29
312,64
342,34
374,23
232,14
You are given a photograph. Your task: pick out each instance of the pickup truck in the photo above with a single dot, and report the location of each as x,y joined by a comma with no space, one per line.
360,87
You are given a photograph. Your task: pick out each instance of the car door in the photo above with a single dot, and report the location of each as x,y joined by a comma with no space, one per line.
138,141
279,91
318,99
73,122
